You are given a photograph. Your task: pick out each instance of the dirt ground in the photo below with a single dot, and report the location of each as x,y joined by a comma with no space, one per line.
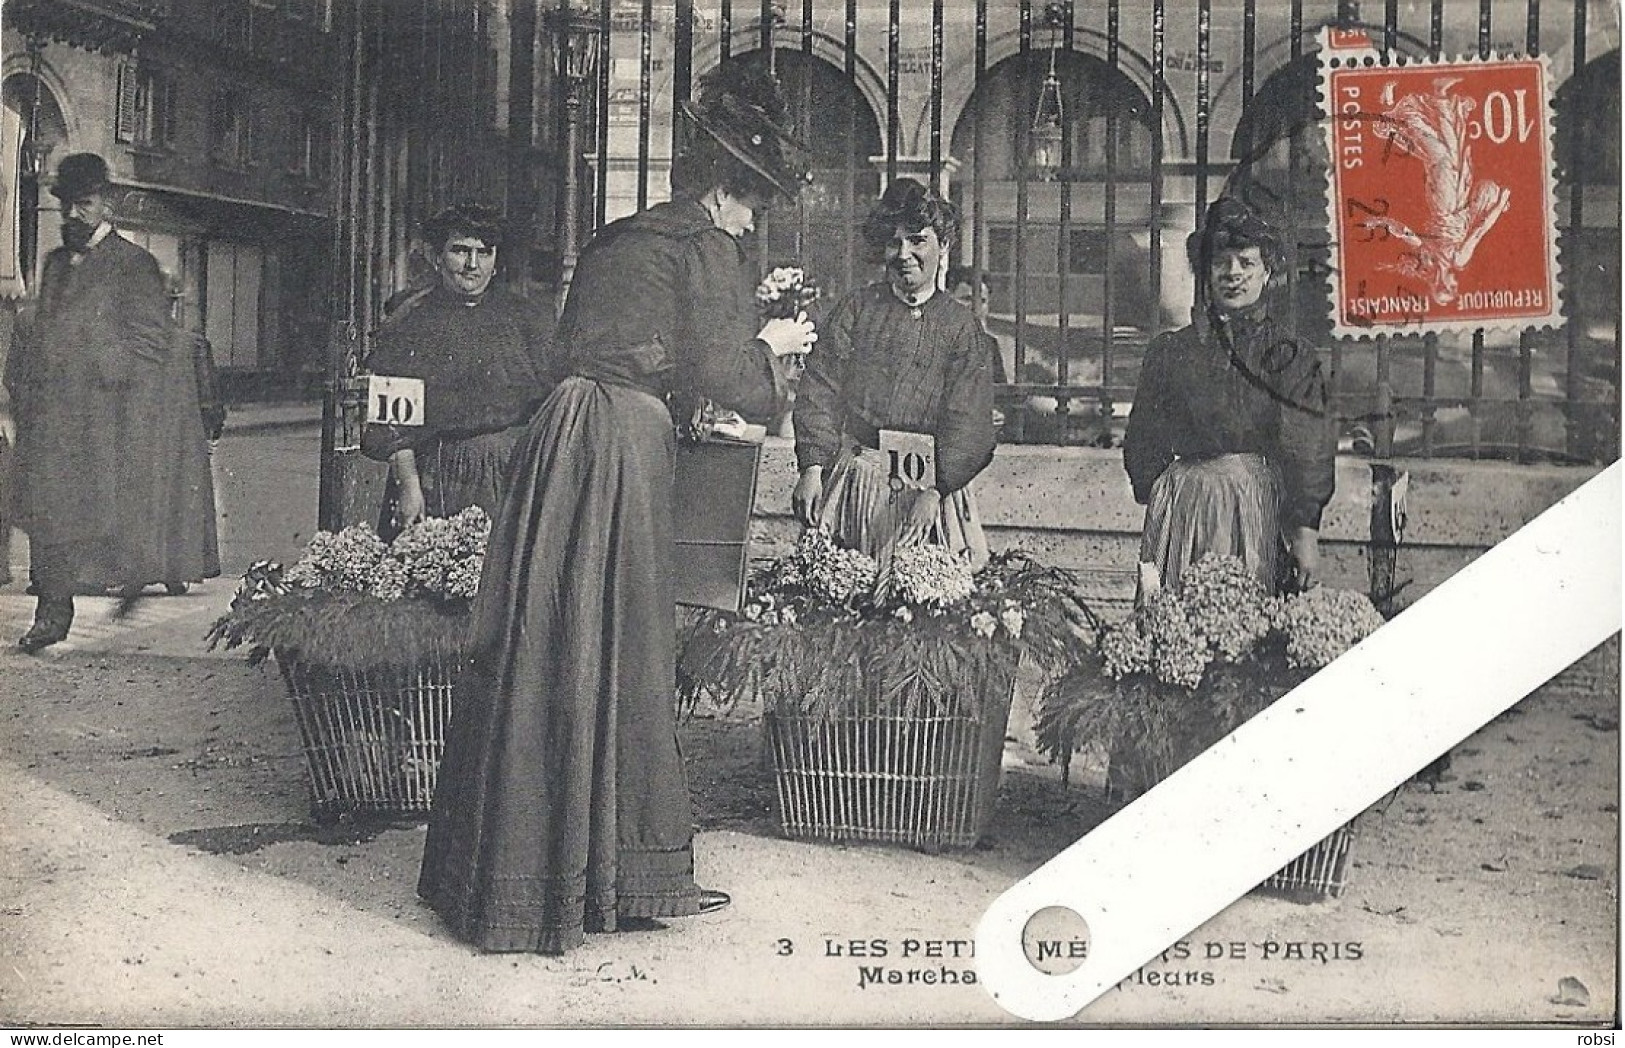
162,870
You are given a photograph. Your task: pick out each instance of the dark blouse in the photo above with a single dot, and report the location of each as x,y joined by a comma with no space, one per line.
664,301
1238,386
877,367
481,362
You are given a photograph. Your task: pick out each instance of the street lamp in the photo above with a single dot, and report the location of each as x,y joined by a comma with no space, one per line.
575,51
1049,117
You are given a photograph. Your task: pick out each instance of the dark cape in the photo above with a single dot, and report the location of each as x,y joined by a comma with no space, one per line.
561,804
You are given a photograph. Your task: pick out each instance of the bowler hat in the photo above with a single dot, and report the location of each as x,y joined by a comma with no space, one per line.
742,109
79,175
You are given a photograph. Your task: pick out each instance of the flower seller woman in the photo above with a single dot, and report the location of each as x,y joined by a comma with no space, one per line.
900,355
1229,444
478,350
561,805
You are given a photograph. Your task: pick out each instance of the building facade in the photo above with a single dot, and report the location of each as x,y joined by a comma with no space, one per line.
1082,142
215,119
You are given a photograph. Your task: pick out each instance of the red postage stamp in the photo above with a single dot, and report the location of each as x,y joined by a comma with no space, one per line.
1441,206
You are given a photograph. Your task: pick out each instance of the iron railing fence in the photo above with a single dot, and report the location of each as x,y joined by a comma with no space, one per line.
1083,142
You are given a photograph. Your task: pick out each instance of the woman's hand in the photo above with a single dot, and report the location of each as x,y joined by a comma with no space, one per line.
409,502
1305,546
409,505
786,337
921,518
808,497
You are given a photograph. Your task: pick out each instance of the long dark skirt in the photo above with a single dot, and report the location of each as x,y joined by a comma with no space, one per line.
561,802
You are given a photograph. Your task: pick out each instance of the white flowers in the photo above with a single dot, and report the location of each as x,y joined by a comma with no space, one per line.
779,282
931,575
785,292
1221,613
984,624
1012,619
439,558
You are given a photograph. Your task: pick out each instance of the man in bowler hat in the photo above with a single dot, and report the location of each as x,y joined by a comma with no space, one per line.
86,381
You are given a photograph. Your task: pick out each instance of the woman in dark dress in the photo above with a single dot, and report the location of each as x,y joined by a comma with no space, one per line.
1230,444
478,349
899,354
561,805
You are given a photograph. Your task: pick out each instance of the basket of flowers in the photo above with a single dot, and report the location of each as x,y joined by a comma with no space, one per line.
884,694
369,638
1190,666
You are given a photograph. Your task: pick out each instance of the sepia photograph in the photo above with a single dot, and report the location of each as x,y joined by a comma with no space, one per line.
581,514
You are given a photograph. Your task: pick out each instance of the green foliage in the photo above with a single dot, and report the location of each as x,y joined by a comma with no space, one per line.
351,631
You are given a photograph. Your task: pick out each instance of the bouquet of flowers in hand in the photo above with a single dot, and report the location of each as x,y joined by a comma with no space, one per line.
353,600
1194,663
785,292
823,627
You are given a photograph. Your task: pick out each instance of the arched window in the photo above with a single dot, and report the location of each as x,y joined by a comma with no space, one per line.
36,135
1039,268
1098,104
837,123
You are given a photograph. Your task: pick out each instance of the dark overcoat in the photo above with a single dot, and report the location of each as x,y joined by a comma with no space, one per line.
88,380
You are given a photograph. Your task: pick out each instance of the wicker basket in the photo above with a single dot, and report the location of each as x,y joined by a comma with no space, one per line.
927,781
372,738
1319,873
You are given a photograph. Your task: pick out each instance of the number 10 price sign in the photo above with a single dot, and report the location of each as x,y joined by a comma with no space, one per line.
394,401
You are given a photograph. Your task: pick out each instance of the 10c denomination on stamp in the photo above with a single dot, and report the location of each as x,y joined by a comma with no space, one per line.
1441,204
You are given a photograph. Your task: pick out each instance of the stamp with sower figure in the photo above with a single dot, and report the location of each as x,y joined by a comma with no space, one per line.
1441,195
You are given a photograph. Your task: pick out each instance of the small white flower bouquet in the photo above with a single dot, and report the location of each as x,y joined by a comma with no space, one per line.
785,292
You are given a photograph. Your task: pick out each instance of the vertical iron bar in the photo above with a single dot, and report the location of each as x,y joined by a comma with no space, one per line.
1249,74
978,259
682,69
725,28
936,93
1526,337
1063,257
606,59
804,118
1484,26
1204,47
1158,87
1581,253
1024,139
1108,284
645,90
893,65
851,56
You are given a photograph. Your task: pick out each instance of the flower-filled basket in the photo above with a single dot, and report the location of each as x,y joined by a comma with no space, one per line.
369,638
1190,666
884,694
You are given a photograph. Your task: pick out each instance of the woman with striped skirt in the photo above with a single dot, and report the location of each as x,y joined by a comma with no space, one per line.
1230,445
898,355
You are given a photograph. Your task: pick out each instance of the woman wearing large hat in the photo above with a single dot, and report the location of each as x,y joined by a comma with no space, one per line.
561,805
